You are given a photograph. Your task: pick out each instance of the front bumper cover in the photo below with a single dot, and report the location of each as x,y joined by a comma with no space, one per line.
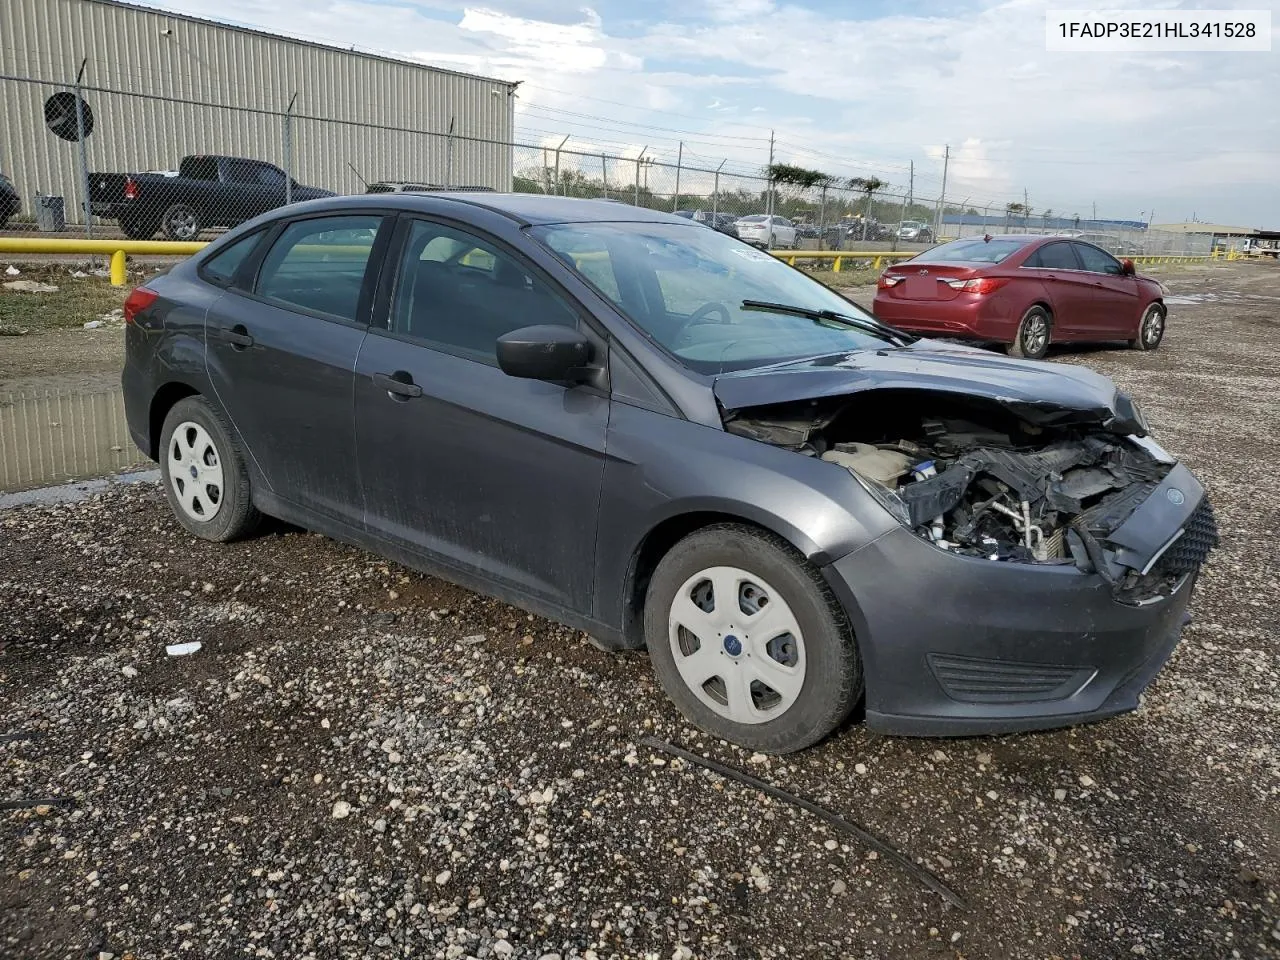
957,646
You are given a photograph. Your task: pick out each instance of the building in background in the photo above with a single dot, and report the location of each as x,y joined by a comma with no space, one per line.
160,86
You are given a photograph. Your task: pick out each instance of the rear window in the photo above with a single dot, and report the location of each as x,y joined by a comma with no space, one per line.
199,168
753,219
976,250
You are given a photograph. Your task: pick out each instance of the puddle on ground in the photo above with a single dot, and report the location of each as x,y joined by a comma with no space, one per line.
1224,297
70,492
49,437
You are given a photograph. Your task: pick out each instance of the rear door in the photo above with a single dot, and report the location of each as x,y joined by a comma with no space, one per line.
1115,296
1068,287
493,475
281,349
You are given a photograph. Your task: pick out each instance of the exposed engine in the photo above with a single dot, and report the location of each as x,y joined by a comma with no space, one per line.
973,478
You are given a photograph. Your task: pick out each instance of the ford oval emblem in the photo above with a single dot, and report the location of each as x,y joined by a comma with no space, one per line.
1176,497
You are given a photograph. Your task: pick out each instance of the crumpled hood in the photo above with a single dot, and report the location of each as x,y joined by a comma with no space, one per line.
1040,393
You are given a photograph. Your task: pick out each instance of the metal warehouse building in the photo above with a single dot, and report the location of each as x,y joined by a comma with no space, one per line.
160,86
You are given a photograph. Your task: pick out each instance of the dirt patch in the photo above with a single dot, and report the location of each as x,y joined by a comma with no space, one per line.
344,772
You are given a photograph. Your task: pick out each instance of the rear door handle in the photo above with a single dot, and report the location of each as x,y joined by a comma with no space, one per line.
399,384
238,337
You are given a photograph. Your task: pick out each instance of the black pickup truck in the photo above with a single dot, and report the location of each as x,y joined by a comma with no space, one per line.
205,191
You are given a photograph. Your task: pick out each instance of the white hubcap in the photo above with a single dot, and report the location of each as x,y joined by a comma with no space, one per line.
195,471
737,645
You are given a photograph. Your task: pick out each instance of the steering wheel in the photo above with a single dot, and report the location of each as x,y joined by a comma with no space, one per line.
699,317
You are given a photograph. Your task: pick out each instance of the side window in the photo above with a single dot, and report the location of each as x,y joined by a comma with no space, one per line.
1097,261
1054,256
458,294
240,171
222,266
588,255
318,265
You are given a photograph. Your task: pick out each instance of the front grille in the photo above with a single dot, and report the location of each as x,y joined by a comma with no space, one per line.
983,680
1191,549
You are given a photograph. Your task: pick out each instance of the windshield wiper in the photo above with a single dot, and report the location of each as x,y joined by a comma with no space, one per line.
869,324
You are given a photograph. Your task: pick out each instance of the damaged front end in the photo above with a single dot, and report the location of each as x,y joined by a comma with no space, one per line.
1010,481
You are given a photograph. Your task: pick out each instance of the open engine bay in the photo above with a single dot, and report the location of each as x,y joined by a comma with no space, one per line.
975,477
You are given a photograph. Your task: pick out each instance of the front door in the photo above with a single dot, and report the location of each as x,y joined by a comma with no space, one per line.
1069,289
281,350
1115,296
488,473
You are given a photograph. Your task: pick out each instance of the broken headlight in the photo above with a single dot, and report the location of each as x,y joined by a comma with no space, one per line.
886,498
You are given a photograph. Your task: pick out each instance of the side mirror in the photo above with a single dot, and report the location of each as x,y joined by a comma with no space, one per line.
545,352
1126,267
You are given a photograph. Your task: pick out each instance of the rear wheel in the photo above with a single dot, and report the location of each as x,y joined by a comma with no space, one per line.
1151,329
1032,339
748,641
181,222
204,474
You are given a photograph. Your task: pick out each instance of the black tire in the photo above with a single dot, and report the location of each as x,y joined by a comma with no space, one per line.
1034,334
1150,328
181,222
138,228
234,515
832,682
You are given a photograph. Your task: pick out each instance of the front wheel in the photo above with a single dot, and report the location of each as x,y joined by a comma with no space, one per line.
748,641
1032,339
1151,330
204,474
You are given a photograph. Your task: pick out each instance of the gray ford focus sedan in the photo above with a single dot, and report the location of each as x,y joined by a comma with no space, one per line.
659,435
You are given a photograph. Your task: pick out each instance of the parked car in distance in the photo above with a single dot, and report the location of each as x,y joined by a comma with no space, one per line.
767,232
405,186
646,430
1024,292
10,202
725,223
1117,246
208,191
915,231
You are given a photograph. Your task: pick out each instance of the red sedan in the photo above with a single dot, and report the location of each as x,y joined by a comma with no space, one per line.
1024,292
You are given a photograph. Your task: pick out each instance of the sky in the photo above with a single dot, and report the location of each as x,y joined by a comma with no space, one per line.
856,89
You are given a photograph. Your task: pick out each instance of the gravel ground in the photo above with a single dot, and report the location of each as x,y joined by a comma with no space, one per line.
364,762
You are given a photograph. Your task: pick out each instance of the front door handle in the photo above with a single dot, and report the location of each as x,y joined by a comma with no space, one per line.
399,384
238,337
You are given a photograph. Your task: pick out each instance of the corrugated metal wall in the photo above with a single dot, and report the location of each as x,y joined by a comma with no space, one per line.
223,90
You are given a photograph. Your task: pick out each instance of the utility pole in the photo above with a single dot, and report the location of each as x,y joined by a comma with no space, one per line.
604,175
715,190
768,206
1095,210
911,189
942,200
1026,209
675,200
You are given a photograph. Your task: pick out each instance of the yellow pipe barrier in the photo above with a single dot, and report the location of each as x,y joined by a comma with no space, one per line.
877,257
117,250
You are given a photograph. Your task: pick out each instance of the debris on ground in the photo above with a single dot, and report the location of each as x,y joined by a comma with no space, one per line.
30,286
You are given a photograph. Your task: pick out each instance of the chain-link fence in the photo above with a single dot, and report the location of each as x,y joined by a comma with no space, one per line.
107,162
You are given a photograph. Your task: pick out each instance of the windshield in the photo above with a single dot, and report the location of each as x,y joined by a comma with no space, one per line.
685,287
975,250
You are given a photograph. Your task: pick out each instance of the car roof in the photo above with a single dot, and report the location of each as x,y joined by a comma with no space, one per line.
524,208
